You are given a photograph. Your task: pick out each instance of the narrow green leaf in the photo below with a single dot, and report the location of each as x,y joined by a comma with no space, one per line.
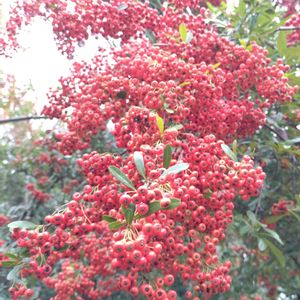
13,275
241,9
167,156
189,37
11,255
183,32
115,225
150,35
108,219
261,245
176,169
281,42
170,111
216,66
139,163
274,219
234,147
160,124
293,141
154,206
244,229
252,217
229,152
294,214
210,7
21,224
276,252
122,6
120,176
175,127
9,263
129,213
185,83
274,235
175,202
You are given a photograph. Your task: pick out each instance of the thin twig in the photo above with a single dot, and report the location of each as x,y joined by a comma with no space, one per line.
286,28
20,119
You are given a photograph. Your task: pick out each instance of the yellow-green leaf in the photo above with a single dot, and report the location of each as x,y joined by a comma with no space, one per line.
160,124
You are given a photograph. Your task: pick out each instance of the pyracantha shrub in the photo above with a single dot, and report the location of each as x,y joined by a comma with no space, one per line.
174,93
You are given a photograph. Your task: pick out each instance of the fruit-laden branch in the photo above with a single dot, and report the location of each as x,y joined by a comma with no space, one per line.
20,119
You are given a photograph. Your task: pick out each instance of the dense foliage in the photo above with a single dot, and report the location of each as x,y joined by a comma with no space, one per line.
173,171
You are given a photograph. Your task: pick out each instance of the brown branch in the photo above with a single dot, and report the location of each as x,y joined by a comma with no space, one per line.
280,133
20,119
286,28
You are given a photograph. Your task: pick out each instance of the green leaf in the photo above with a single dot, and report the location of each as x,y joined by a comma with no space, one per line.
12,256
170,111
150,35
9,263
229,152
274,219
252,217
244,229
160,124
241,9
210,7
122,6
176,169
108,219
274,235
261,245
183,32
234,147
294,214
276,252
189,37
115,225
139,163
121,95
13,275
167,156
22,225
185,83
216,66
129,213
175,127
281,42
175,202
153,208
120,176
207,195
293,141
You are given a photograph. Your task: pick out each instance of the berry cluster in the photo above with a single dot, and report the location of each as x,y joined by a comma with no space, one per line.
294,22
157,211
282,206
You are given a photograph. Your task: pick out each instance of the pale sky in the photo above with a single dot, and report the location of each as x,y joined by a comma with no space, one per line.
40,63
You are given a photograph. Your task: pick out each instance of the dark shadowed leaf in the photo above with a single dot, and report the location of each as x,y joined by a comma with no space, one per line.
167,156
